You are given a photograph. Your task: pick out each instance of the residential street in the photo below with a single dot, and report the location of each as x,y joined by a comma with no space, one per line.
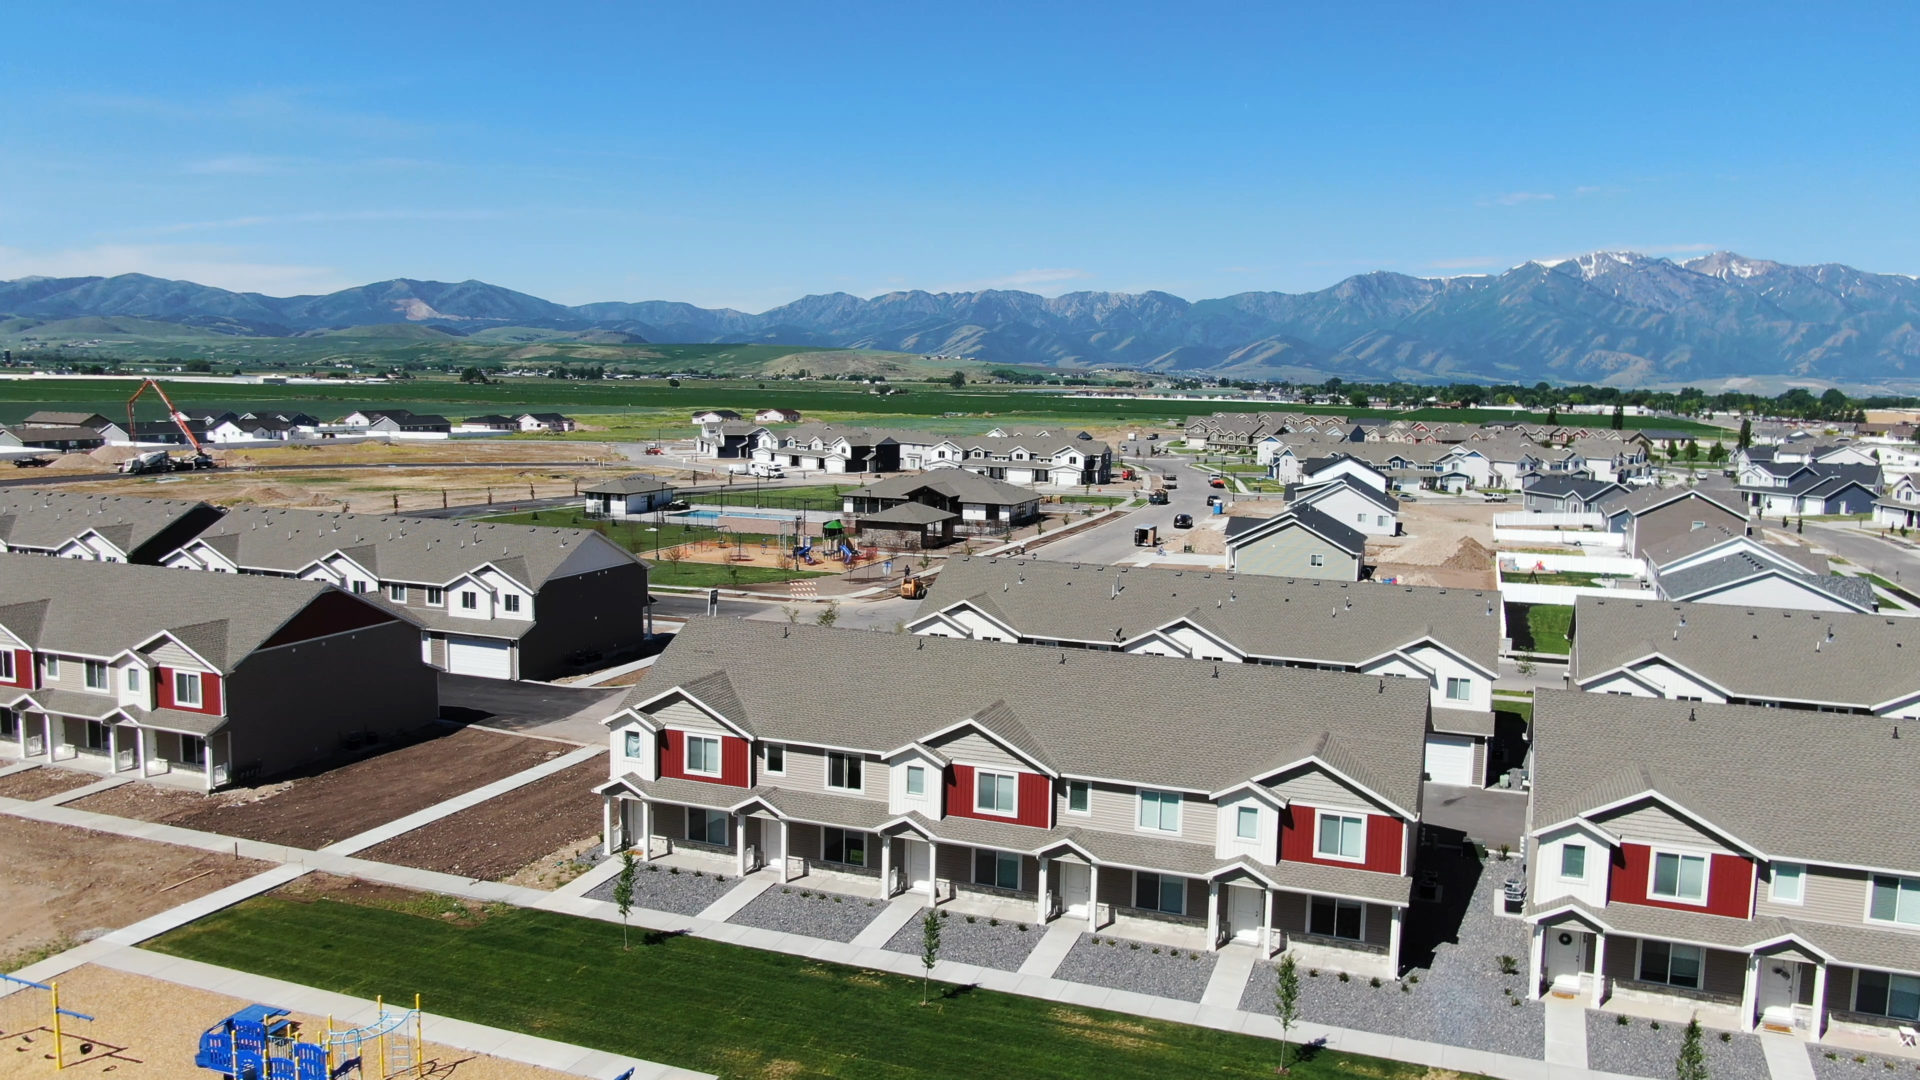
1112,542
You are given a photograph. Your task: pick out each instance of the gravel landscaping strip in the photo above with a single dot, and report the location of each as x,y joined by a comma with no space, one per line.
973,941
1637,1048
810,912
1842,1066
1122,964
1461,999
659,888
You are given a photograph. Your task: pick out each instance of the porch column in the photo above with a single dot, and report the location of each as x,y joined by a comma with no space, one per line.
140,737
1393,937
1266,924
1093,897
933,873
785,852
646,831
1599,969
740,844
1534,947
1819,1019
1041,915
1213,915
886,865
46,721
607,844
1749,994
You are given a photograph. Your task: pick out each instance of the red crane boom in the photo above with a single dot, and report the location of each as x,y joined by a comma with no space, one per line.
179,419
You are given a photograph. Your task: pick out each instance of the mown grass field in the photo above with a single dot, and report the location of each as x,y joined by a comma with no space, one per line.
717,1008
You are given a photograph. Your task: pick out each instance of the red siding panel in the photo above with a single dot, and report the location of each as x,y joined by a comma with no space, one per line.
733,760
212,692
22,670
1034,800
1729,883
1386,839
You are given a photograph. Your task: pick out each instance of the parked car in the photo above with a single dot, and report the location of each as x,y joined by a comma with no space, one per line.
32,462
655,450
1152,435
1496,496
1183,521
1217,482
1158,498
1214,500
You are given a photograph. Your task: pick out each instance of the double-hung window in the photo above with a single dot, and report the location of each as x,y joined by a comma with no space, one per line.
1895,900
1459,689
707,826
703,755
51,665
511,602
843,846
133,679
1681,878
996,869
635,745
916,779
1079,797
436,596
776,759
1789,883
397,593
6,665
1573,862
1246,822
1160,892
1160,810
96,675
1884,994
1341,836
1345,919
843,772
186,688
469,600
1670,963
994,793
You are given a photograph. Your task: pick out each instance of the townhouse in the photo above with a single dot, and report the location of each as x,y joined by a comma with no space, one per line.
973,504
206,681
1648,517
1844,663
1562,494
102,528
1446,639
1350,501
1718,565
725,438
1037,457
1299,542
1800,488
1713,857
1281,809
493,600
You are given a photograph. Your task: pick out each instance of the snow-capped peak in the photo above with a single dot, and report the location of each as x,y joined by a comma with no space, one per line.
1726,264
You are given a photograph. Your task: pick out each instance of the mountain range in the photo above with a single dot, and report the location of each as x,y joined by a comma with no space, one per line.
1614,317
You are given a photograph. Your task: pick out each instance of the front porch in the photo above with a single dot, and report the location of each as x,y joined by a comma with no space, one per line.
113,746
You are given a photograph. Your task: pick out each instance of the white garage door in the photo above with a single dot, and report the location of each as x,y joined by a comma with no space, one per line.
1450,760
480,656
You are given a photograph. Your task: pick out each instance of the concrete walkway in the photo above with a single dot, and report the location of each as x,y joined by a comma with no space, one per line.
1045,958
95,788
460,802
1786,1056
346,1010
901,910
1231,967
1567,1033
742,894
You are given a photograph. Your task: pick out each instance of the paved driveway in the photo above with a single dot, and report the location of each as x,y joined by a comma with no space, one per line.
562,712
1491,815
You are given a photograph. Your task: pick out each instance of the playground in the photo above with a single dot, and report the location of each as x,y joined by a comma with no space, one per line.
150,1029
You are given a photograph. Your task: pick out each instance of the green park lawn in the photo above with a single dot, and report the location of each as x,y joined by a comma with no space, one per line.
718,1008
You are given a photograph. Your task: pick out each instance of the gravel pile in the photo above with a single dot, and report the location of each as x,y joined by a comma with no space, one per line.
809,912
659,888
1460,999
1121,964
1637,1048
1842,1066
974,941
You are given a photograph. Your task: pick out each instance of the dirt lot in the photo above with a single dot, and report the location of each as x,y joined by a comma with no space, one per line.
373,490
59,885
43,782
148,1029
1448,542
502,836
314,811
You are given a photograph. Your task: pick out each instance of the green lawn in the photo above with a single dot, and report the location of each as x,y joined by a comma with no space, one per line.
717,1008
1095,500
1540,628
723,575
1579,578
809,497
642,536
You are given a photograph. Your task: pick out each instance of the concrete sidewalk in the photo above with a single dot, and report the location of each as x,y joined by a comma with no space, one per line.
463,801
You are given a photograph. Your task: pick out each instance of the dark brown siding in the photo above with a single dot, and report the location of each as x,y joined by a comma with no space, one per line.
601,611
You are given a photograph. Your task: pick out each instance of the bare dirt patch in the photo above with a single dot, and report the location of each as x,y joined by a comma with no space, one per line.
314,811
331,452
43,782
1447,542
503,835
148,1029
59,884
372,490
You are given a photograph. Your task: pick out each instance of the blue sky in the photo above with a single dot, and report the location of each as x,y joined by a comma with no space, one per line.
745,155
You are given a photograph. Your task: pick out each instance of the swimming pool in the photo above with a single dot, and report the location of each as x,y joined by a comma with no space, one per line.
716,515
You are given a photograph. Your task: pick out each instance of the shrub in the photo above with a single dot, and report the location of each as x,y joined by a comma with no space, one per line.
1620,1020
1508,965
837,899
993,922
1023,928
1344,977
1156,950
697,873
1654,1024
1413,978
673,869
1726,1036
784,889
1374,982
1134,945
971,919
1405,989
1313,973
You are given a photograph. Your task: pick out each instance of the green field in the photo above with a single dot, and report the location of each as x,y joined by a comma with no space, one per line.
1540,628
649,539
717,1008
806,497
1578,578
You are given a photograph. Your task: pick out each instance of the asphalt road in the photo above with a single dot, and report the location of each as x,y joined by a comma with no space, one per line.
1896,562
1113,541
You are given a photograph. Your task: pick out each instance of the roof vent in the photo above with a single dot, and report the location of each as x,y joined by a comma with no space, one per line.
1216,671
1691,715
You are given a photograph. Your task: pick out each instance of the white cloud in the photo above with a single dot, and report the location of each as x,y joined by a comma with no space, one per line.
223,267
1518,198
1019,279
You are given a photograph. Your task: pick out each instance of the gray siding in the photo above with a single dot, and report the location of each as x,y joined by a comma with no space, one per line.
1378,925
1652,824
974,748
806,769
685,714
1286,554
169,654
1315,787
1832,896
598,611
1290,912
1114,809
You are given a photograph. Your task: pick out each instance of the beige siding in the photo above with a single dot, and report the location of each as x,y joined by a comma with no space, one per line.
685,714
1199,820
171,655
806,769
1839,988
1287,554
1316,787
803,841
1197,898
1832,896
973,748
669,820
1652,824
1116,888
1113,808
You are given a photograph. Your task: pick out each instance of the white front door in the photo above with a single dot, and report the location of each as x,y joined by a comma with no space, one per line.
919,865
1777,986
1246,912
770,842
1076,883
1566,955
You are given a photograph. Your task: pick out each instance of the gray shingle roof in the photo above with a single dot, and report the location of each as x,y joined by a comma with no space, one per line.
1270,617
428,551
910,513
634,484
1740,566
47,519
1340,535
102,609
1789,783
1638,501
968,487
1348,481
1755,652
1093,714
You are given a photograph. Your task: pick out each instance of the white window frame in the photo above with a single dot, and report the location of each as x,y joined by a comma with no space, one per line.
184,679
768,753
1160,882
1159,800
397,593
50,666
1898,880
193,750
133,680
1569,849
686,754
469,600
1246,823
852,764
1319,835
710,816
1886,1009
865,844
1086,790
916,780
1653,875
1796,873
436,596
91,669
998,778
510,602
634,746
1000,859
6,665
1316,559
1338,904
1465,687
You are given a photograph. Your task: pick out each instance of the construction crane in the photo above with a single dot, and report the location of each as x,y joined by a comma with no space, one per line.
148,462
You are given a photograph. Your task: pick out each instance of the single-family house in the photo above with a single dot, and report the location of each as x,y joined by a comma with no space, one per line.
545,422
1561,493
102,528
1296,543
1649,517
777,416
1446,639
1022,774
714,416
488,424
981,504
1350,501
1685,855
66,438
627,496
489,599
203,681
1900,507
